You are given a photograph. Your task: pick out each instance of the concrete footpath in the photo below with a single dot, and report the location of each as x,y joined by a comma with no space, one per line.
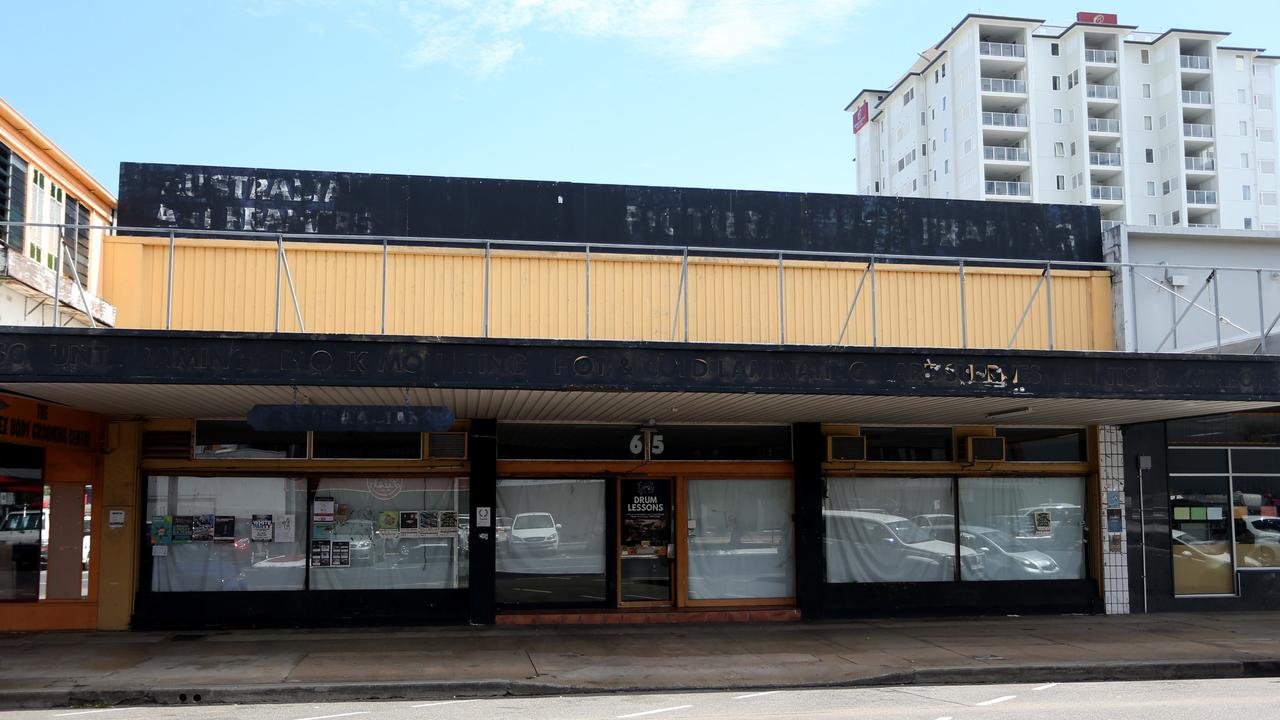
94,669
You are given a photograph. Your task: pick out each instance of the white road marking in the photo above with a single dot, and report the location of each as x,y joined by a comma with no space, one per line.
1044,687
655,712
997,700
755,695
945,717
326,717
88,712
446,702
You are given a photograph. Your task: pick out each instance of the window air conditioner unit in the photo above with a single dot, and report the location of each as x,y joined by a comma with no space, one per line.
846,448
984,449
447,446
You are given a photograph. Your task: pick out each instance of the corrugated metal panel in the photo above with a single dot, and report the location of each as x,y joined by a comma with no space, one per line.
221,285
185,401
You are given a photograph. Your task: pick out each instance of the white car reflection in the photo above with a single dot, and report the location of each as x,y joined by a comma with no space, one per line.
886,547
534,531
1007,557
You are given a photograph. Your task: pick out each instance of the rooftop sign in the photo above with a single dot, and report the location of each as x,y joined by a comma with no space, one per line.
1097,18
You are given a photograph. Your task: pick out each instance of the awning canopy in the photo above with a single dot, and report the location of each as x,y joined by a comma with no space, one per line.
201,374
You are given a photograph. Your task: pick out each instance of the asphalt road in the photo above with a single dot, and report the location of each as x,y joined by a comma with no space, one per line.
1157,700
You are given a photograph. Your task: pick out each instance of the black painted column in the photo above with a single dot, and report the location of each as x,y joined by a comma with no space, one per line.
482,448
809,452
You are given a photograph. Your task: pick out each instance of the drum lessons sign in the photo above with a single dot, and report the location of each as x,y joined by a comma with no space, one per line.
646,514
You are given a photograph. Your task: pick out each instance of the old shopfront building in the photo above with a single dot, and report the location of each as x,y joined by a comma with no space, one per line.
620,401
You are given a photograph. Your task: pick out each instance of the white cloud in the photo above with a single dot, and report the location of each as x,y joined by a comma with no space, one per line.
485,36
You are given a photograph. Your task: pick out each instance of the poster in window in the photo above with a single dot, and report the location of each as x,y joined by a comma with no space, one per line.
284,529
261,528
202,528
388,520
322,531
320,553
323,509
340,553
224,528
161,529
645,517
1044,523
448,521
409,522
182,528
1115,520
428,522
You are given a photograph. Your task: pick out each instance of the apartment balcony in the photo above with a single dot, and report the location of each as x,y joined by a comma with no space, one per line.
1004,120
1197,97
1001,85
1197,135
1202,197
1108,225
1104,159
1194,62
1008,188
1002,50
1004,154
1202,225
1104,125
1103,57
1206,165
1102,92
1106,193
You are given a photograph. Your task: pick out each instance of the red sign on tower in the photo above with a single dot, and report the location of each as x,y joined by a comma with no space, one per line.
860,117
1097,18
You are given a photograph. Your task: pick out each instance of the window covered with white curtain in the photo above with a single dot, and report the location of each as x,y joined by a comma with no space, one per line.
740,539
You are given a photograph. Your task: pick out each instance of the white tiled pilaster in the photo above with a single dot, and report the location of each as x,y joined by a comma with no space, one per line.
1115,566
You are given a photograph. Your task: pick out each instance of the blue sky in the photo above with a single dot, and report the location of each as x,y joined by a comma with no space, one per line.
706,93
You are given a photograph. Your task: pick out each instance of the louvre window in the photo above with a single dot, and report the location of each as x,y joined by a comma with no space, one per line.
76,240
13,201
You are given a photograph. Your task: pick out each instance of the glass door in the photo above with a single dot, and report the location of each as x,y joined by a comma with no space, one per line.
645,543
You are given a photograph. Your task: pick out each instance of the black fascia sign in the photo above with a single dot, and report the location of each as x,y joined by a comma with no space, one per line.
350,418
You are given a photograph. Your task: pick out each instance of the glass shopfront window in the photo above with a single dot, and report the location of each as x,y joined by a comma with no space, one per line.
1025,528
879,530
740,539
1200,542
211,534
1255,500
44,530
389,533
551,541
906,529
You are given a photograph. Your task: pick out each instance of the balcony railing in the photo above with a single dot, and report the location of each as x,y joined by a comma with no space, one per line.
1199,163
1100,56
1197,97
1108,225
1108,159
1102,92
1003,86
1106,192
1010,154
1107,125
1004,119
996,49
1008,187
1202,225
1197,130
1193,62
1202,197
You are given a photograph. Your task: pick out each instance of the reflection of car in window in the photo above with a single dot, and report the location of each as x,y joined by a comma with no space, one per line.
360,534
1004,556
1264,533
1191,548
534,531
892,548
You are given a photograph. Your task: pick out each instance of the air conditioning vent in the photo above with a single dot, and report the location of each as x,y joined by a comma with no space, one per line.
167,444
846,448
447,446
984,449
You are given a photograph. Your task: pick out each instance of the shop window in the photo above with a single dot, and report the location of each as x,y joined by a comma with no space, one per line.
1197,460
1023,528
880,530
226,439
1253,428
1200,535
550,541
44,531
740,539
908,444
389,534
1044,444
1255,501
728,442
213,534
366,446
533,441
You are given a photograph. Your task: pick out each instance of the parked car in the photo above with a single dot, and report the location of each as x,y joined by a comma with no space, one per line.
888,548
534,532
1004,556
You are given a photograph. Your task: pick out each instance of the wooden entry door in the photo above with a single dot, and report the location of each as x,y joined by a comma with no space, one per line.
646,542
